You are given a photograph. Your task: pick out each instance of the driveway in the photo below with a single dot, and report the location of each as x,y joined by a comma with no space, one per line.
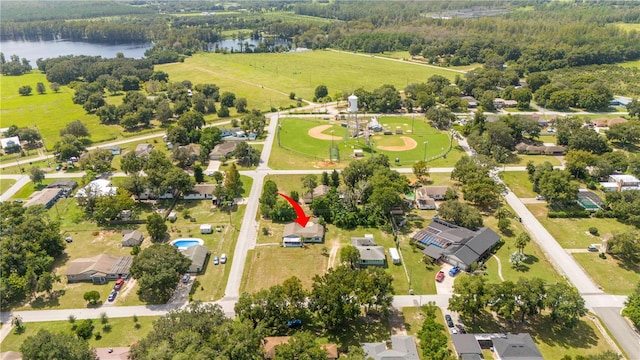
446,286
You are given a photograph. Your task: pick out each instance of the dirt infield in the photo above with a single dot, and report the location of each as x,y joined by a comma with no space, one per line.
409,144
316,132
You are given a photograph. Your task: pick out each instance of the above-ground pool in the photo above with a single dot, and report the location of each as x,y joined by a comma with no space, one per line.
184,243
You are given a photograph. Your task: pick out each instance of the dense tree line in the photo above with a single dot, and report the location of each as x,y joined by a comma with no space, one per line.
524,298
30,242
15,66
496,140
18,11
337,299
478,188
557,186
632,309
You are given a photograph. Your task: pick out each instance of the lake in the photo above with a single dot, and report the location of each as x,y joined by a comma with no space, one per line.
234,44
33,50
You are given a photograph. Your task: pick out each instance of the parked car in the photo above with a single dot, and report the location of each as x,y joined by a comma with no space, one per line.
68,239
223,259
118,284
539,197
592,248
294,324
454,270
58,167
112,296
449,320
216,261
186,278
440,276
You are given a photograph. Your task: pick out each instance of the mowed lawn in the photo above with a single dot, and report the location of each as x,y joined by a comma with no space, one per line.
518,182
111,338
304,151
5,184
50,112
267,79
610,273
574,233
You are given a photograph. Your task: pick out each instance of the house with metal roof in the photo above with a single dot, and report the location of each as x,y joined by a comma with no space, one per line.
295,235
370,253
455,245
403,347
516,347
99,269
46,197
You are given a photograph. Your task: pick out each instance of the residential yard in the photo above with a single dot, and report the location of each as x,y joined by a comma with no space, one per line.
523,159
518,182
413,319
26,191
111,338
610,273
553,342
574,233
536,264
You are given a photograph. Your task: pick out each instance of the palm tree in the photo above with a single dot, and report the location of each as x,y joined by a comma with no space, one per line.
522,240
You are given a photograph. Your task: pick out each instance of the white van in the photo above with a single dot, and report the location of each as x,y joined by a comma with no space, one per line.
223,258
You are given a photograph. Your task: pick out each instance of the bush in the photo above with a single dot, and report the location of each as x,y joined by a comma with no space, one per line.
602,255
593,230
569,214
72,319
98,335
265,231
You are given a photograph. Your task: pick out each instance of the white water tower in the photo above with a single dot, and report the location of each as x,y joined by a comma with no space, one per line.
353,103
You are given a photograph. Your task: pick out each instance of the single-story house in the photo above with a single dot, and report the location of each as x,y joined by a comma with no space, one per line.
224,132
370,253
295,235
10,144
620,182
466,347
143,150
200,192
237,132
540,149
403,347
115,149
318,191
206,229
99,269
99,187
270,343
46,197
132,238
502,103
620,101
516,347
192,149
434,192
65,184
456,245
607,122
427,203
225,149
472,103
198,255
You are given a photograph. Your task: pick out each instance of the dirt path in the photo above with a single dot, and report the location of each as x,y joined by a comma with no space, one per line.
499,267
316,132
333,254
409,144
129,284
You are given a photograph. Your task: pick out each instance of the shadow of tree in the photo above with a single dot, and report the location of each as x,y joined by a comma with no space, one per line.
531,259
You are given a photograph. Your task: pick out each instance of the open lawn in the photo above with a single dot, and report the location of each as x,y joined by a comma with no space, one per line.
574,233
522,160
49,112
26,191
535,265
610,273
267,79
627,26
111,338
518,182
631,64
5,184
548,139
552,341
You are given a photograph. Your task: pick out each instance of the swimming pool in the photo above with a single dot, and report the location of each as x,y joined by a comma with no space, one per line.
184,243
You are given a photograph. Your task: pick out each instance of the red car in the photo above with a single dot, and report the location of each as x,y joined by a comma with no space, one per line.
440,276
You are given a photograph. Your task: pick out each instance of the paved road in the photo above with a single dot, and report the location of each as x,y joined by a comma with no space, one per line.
621,330
21,180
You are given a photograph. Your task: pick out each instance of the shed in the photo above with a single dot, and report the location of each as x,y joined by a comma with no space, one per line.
132,238
206,229
358,153
395,256
172,216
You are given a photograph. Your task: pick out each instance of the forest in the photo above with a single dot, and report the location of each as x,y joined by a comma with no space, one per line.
573,34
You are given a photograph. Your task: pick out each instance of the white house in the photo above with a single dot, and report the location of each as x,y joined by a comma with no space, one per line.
295,235
620,182
10,142
200,192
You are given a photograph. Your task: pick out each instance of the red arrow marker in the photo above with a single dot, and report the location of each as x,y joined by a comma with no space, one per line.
302,219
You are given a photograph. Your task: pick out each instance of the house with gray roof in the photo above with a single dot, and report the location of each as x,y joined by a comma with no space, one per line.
99,269
403,347
466,347
516,347
132,238
198,255
318,191
66,185
46,197
370,253
143,150
455,245
295,235
224,149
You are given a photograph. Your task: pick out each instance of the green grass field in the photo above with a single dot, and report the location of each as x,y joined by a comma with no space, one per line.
5,184
50,112
631,64
267,79
295,139
610,273
574,233
518,182
112,338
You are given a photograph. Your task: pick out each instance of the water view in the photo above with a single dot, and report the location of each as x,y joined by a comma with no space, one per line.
33,50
